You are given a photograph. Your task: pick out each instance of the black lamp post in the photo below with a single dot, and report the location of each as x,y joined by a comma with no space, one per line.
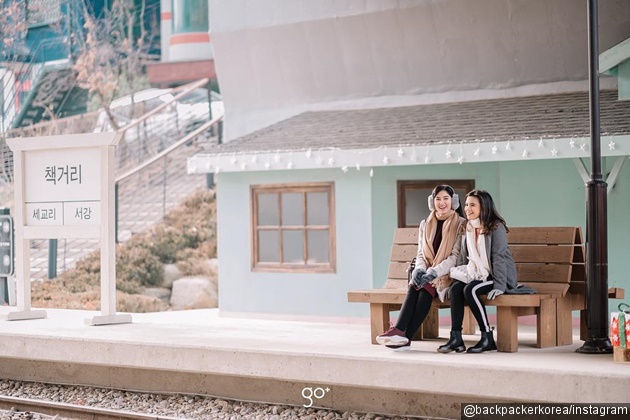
597,341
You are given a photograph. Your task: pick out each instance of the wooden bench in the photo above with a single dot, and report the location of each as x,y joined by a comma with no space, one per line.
550,259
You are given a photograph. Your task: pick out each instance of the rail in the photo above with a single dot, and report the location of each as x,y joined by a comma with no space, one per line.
72,411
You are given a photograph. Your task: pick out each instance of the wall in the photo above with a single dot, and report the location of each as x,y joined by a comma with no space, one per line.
280,57
241,290
532,193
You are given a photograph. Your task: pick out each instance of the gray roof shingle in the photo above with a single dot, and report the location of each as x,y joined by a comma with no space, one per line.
562,115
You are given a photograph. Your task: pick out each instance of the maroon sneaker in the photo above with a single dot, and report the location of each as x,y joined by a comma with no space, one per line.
392,336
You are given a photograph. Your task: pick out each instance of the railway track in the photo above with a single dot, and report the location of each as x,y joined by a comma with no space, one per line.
72,411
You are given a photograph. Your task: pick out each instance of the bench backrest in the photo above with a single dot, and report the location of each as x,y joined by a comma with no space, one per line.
550,259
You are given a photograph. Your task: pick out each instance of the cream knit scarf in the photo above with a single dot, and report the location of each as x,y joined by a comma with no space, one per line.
477,267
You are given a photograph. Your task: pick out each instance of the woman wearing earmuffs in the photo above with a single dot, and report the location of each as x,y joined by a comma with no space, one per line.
439,241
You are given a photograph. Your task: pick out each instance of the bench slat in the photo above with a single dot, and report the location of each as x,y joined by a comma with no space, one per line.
543,273
542,253
406,236
554,289
542,235
403,253
395,284
397,270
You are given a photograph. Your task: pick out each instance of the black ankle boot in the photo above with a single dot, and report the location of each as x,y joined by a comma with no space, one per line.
455,343
485,344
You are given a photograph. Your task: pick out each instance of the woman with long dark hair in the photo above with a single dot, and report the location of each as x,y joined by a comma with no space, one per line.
484,266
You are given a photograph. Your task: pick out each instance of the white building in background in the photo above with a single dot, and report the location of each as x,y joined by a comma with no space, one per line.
341,116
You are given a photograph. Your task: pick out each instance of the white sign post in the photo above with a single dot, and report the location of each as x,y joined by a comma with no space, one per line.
64,188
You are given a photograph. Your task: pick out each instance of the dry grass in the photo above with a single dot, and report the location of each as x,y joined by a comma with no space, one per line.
187,237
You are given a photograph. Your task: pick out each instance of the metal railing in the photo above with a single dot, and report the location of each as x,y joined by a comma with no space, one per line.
151,167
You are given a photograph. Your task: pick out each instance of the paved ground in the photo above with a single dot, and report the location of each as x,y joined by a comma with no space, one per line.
279,358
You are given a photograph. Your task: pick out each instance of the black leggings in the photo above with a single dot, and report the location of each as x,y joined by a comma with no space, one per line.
414,310
462,293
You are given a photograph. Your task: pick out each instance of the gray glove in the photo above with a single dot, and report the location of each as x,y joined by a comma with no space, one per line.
427,277
417,274
494,293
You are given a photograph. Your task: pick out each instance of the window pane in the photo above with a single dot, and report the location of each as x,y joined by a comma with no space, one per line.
268,246
293,246
317,208
317,246
268,214
292,213
190,16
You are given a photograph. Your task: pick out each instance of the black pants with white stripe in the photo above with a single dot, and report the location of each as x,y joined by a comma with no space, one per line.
462,293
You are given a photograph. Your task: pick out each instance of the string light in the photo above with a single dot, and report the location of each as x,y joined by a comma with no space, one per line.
345,159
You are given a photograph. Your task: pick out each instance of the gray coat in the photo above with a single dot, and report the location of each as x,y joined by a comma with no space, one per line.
501,263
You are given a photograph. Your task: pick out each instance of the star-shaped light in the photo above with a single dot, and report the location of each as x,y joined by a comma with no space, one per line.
358,166
541,144
276,158
477,151
554,152
494,149
401,152
460,160
611,145
371,172
572,144
309,153
448,154
385,160
254,159
290,165
344,169
525,154
217,170
427,159
331,161
267,165
583,147
508,146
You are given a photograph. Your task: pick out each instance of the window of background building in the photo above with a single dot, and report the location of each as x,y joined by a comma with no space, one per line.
412,198
293,228
190,16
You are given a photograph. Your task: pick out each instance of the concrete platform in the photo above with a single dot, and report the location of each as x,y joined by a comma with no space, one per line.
274,361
